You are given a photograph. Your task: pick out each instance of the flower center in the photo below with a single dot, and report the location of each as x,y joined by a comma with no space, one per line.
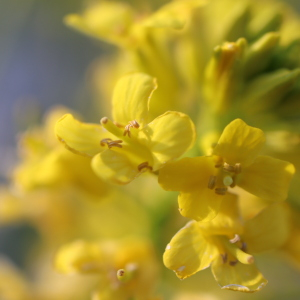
131,124
235,251
136,152
224,177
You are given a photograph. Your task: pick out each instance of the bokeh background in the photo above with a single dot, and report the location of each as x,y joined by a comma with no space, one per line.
43,63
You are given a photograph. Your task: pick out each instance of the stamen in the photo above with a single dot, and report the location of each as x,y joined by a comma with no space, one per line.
244,247
236,239
104,120
118,124
127,273
241,256
131,124
233,182
233,262
212,182
120,273
224,257
228,168
237,168
110,143
144,165
221,191
227,180
105,142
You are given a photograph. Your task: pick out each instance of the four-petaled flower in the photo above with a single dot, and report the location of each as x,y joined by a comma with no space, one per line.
203,182
129,146
227,245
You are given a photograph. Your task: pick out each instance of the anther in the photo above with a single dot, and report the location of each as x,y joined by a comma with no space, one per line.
236,239
110,143
212,182
115,144
118,124
123,275
120,273
221,191
244,247
131,124
228,168
105,142
233,262
144,165
237,168
104,120
224,258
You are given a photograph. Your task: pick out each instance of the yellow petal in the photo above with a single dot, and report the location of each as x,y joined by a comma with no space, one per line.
168,136
200,204
240,277
267,178
11,207
268,230
189,252
80,138
79,257
115,167
239,143
14,285
50,168
186,174
131,98
228,221
50,120
173,14
109,21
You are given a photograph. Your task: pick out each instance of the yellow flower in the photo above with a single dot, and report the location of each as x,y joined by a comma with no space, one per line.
127,268
227,246
146,44
56,167
129,146
203,182
13,284
118,23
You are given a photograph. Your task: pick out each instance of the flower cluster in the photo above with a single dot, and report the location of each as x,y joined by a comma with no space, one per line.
206,110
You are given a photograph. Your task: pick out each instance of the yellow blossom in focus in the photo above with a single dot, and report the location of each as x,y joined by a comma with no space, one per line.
130,145
203,182
227,246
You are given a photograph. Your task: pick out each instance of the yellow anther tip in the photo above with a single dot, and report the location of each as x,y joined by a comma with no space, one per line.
250,259
104,120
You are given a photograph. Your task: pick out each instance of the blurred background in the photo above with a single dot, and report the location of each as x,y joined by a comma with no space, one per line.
43,63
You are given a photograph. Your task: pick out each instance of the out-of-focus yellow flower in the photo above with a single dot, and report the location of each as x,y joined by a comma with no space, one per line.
118,23
227,246
13,284
127,268
56,168
203,182
146,39
292,246
134,145
195,296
